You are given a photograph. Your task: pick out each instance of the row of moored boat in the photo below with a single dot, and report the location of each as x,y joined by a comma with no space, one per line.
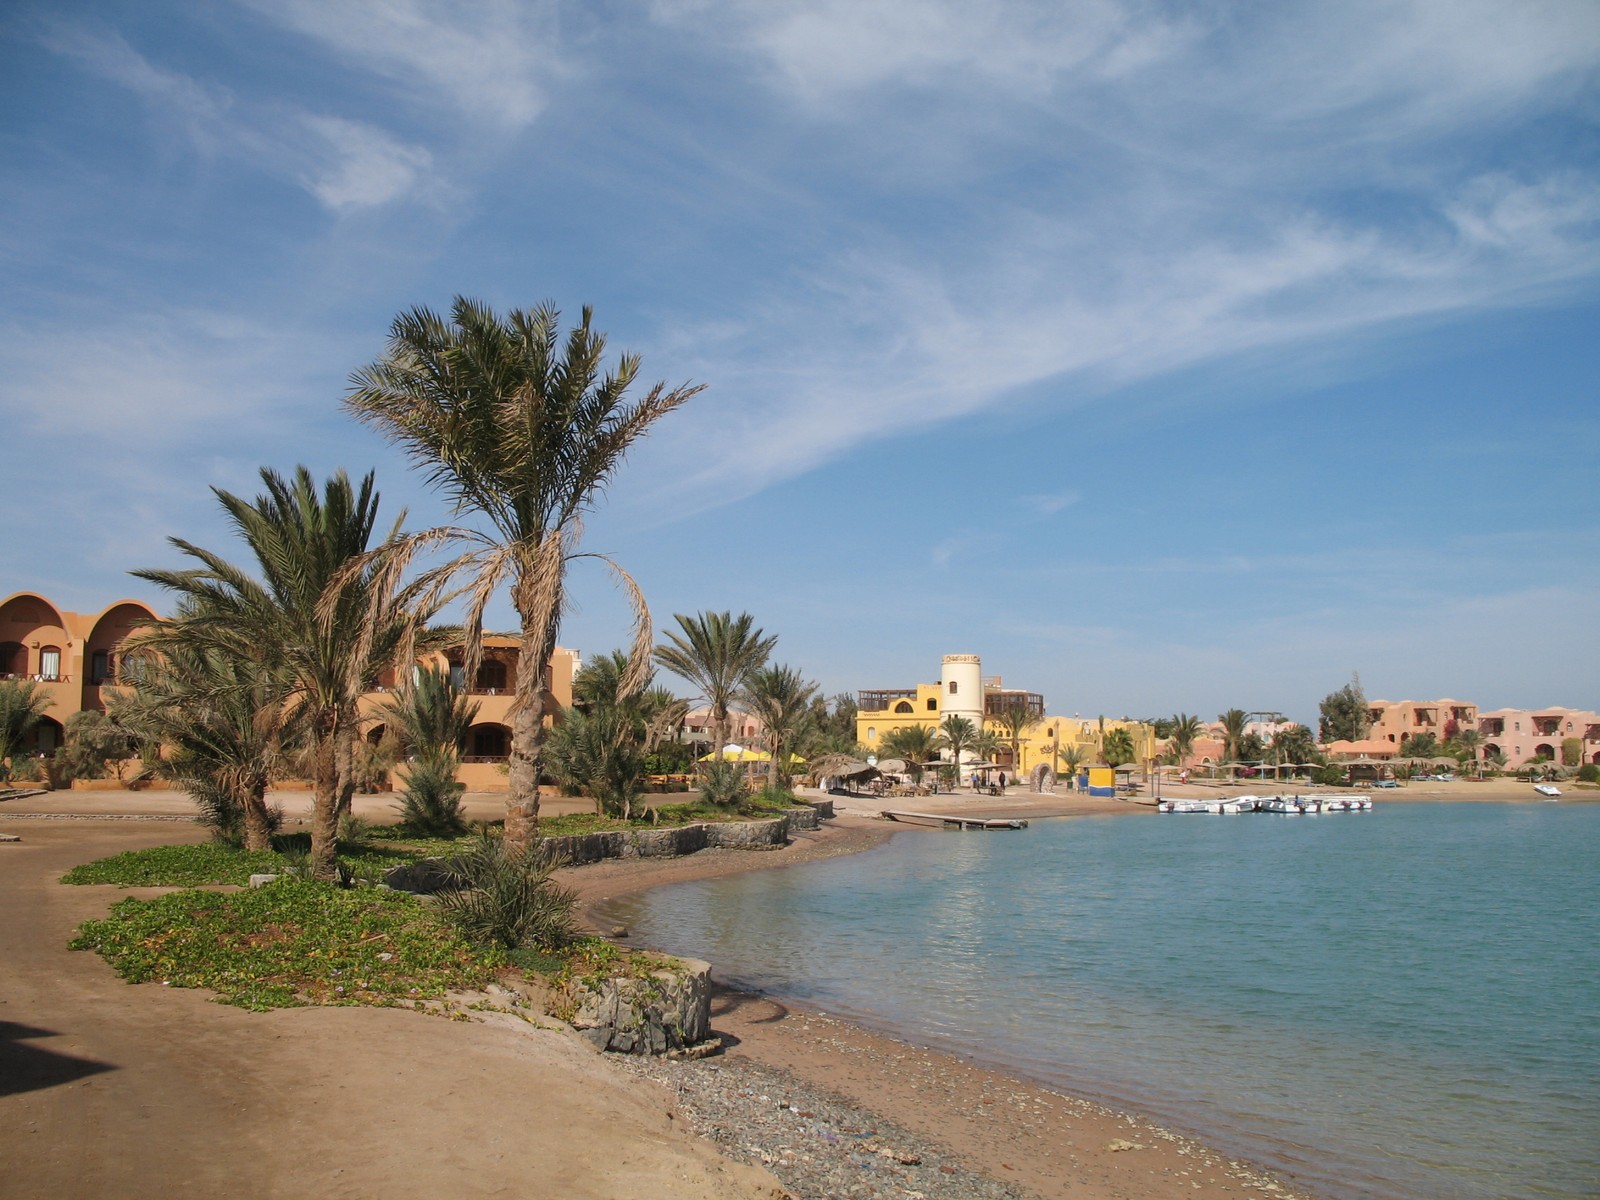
1291,805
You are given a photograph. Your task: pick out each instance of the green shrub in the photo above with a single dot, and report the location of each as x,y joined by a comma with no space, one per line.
1331,775
1589,773
430,805
497,895
27,769
287,944
722,785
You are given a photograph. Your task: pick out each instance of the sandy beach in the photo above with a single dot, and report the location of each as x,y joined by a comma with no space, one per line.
114,1090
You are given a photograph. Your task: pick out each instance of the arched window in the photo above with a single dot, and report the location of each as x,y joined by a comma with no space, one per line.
489,741
50,662
903,707
13,658
99,667
952,687
872,734
933,704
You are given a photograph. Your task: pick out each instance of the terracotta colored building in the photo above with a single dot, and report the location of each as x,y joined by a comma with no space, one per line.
71,655
75,656
1395,721
1526,734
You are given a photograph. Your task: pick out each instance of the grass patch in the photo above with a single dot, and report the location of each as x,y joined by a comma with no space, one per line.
208,863
289,944
177,866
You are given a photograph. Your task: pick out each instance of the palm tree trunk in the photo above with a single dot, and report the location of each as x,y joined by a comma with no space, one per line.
257,831
539,621
719,729
345,758
325,803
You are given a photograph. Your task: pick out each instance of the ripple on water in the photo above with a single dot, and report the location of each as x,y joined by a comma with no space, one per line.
1388,1005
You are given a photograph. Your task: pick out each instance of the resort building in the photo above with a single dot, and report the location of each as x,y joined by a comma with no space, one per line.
72,656
1394,722
1568,736
964,691
75,658
487,748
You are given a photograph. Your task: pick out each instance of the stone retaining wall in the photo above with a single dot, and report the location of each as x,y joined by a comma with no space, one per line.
578,849
669,843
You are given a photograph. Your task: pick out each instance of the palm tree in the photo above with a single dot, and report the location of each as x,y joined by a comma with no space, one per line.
222,718
780,698
716,653
1185,729
1072,755
1233,723
1117,748
23,703
431,717
525,434
917,744
322,613
958,734
1014,717
1469,740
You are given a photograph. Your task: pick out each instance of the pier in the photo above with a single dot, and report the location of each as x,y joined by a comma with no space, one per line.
949,821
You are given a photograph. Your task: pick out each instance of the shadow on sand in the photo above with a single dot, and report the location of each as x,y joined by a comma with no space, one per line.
28,1068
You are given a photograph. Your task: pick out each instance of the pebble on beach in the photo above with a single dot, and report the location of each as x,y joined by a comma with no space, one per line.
819,1145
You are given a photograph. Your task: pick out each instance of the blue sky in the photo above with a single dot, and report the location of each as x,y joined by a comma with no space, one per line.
1170,357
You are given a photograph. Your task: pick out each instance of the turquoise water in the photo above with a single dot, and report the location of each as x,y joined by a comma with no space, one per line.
1395,1004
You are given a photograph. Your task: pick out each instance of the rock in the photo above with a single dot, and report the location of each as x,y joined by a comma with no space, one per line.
262,880
666,1010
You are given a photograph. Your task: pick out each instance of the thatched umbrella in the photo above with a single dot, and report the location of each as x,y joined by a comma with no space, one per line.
842,766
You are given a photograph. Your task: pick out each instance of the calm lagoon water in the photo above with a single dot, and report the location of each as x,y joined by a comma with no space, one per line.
1396,1004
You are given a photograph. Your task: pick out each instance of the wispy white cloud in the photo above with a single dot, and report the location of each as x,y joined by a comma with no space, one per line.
491,60
163,378
359,166
1049,505
1288,177
939,346
345,165
825,52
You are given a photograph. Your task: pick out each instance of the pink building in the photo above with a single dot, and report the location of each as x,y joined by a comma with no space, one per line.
1395,721
1526,734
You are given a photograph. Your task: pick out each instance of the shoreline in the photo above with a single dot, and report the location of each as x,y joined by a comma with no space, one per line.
1052,1142
1042,1141
957,1114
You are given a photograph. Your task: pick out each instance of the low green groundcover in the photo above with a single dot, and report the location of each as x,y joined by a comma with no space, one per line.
178,866
206,863
290,943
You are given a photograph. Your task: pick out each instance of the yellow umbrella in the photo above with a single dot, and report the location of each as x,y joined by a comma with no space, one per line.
736,753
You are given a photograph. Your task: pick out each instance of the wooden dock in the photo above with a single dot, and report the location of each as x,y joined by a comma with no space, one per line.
951,821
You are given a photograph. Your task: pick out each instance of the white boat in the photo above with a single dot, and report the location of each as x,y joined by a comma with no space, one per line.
1197,804
1548,791
1346,803
1289,804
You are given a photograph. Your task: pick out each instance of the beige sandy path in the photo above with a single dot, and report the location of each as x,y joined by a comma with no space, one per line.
108,1090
